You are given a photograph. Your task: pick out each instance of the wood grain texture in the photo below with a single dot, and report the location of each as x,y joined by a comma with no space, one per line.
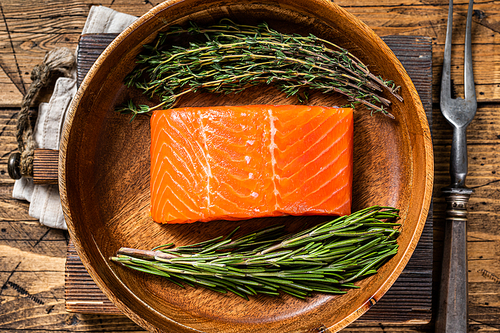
21,47
18,230
45,166
28,29
393,170
82,295
412,290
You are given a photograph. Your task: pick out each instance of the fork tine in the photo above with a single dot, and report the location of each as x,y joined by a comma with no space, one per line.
446,78
470,90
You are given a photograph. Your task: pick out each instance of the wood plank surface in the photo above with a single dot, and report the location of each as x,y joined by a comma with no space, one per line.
21,47
32,257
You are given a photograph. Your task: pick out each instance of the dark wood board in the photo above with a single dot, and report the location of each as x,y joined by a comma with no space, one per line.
409,299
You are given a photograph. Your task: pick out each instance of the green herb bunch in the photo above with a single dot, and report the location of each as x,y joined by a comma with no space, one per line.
229,57
325,258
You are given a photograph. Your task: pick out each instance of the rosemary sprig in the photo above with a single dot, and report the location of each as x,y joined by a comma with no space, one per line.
229,57
326,258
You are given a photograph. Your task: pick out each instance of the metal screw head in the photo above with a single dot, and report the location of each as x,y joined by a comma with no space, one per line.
13,166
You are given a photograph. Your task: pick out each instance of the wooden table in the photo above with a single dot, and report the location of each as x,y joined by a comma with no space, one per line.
32,257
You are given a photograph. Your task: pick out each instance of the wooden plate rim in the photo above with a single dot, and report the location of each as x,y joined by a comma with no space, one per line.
421,203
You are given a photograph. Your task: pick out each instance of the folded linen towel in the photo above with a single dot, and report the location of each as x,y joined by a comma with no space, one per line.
45,203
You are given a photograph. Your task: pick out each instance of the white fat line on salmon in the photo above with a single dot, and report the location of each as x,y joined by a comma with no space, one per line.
272,146
311,146
324,168
206,167
180,129
337,156
327,197
171,193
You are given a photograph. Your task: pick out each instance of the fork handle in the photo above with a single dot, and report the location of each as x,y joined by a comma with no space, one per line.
452,311
458,157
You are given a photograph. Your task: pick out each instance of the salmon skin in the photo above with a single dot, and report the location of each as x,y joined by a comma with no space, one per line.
241,162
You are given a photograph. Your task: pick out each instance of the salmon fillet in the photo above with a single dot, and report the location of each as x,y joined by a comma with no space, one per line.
241,162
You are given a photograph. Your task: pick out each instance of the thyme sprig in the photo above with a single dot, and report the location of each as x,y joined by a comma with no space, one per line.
325,258
229,57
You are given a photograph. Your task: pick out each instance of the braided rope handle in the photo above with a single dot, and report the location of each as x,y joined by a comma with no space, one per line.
57,62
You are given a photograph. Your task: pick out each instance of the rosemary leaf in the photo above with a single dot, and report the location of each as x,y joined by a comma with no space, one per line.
327,257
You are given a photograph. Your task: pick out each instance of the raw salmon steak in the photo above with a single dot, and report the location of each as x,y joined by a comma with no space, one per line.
241,162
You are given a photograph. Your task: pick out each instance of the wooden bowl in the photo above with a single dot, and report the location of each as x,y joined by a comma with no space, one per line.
104,175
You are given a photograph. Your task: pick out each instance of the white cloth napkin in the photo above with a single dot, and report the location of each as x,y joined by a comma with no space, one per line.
45,203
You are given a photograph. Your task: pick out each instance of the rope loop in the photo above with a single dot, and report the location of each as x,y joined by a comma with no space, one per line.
57,62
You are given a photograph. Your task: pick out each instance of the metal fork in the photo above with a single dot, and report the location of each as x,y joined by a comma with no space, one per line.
452,312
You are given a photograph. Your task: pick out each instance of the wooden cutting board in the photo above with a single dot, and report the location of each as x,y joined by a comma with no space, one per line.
408,300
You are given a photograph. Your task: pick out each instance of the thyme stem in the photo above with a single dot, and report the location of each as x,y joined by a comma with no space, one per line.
228,58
